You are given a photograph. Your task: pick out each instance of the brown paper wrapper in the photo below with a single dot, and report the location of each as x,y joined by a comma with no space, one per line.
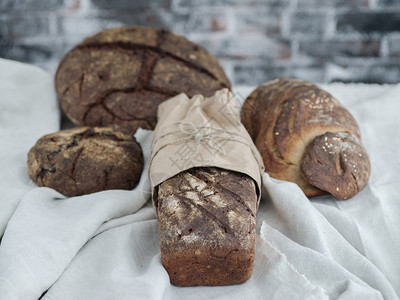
202,132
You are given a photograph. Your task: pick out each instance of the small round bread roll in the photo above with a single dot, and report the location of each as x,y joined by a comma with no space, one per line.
120,76
86,160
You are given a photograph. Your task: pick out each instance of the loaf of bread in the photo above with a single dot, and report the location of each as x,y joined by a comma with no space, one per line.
306,136
206,221
86,160
120,76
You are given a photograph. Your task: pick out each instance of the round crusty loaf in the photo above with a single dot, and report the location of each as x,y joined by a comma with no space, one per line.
86,160
120,76
306,136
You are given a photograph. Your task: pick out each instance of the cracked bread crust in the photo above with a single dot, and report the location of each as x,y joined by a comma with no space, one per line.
120,76
283,116
86,160
206,221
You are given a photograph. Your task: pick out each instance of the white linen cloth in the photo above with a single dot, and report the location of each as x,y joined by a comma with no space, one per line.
28,110
105,245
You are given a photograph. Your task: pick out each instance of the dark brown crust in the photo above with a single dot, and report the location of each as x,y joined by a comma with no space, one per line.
86,160
206,221
121,75
283,116
336,163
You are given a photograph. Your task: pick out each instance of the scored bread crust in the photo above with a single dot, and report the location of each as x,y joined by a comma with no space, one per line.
120,76
85,160
206,223
284,116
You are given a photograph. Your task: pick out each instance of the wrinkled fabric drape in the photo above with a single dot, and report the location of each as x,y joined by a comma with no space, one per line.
105,245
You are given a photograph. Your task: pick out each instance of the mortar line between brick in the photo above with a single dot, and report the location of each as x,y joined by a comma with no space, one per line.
53,28
384,51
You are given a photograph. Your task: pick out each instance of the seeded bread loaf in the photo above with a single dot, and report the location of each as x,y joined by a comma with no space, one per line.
206,221
86,160
306,136
120,76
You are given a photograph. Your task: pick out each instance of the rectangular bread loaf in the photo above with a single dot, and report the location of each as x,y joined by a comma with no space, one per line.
206,221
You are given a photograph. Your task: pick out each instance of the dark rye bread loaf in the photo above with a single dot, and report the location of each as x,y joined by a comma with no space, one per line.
120,76
86,160
206,221
306,136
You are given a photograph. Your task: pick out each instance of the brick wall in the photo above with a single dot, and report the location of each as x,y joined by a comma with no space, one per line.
255,40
